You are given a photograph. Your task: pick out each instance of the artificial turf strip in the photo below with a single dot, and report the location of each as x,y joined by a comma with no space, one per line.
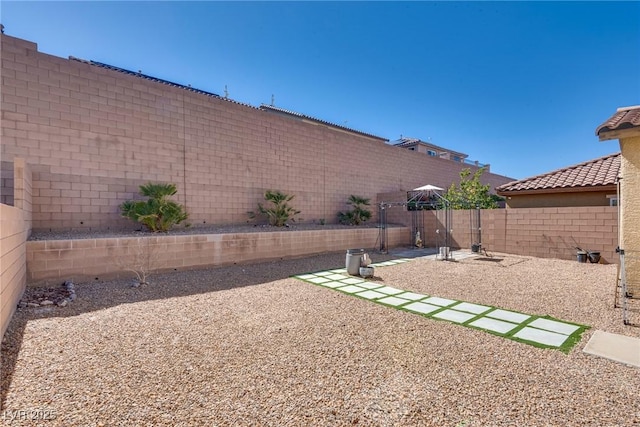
539,331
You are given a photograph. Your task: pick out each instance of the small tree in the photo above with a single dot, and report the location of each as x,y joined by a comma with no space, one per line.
141,258
158,213
358,214
279,212
470,193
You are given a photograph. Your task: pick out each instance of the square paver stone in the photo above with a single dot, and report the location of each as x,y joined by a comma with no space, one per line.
323,273
389,290
454,316
337,277
351,289
331,284
394,301
319,280
306,276
494,325
540,336
554,326
420,307
369,285
509,316
411,296
442,302
352,280
371,294
471,308
339,271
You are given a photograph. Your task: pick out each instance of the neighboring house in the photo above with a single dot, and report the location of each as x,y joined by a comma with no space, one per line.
415,144
591,183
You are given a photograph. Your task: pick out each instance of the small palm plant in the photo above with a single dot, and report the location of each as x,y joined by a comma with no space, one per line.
358,214
158,213
280,211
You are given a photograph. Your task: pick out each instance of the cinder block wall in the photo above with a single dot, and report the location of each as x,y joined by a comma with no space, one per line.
14,231
54,261
93,135
544,232
540,232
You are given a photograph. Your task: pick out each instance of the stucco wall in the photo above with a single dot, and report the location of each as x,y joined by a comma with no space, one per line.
583,198
93,135
14,231
630,210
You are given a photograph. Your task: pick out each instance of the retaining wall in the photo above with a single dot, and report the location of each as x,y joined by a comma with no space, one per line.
58,260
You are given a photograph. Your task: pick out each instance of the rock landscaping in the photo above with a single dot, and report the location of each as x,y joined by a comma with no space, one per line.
249,345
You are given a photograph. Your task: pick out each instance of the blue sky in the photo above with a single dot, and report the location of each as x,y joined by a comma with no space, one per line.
519,85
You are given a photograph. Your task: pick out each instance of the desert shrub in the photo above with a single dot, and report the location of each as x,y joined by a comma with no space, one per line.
279,212
158,212
358,213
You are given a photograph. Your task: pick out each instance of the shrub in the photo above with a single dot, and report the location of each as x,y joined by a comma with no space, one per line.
158,213
280,211
358,214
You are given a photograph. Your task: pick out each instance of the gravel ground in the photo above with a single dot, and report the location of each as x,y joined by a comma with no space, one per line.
247,345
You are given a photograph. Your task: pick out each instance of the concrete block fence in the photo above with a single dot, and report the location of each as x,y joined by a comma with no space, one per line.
54,261
539,232
15,227
93,135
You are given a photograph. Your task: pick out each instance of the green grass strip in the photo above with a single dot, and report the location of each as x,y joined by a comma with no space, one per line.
520,327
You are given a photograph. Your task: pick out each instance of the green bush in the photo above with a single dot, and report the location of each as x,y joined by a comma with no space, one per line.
279,212
158,213
358,214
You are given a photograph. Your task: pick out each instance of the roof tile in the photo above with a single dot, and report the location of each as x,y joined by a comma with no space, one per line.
624,118
594,173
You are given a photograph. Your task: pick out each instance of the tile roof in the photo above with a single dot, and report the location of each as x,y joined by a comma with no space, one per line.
588,175
624,118
272,108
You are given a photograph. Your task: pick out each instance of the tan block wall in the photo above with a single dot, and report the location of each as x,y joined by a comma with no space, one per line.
14,231
630,210
584,198
94,135
539,232
54,261
555,232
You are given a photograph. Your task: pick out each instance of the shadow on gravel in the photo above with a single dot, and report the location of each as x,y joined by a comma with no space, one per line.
99,295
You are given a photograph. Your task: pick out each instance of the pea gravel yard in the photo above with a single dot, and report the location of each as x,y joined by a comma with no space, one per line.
249,345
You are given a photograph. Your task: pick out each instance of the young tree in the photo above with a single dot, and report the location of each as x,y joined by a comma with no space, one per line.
471,193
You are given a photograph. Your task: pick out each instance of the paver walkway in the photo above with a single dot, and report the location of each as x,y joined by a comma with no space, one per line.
540,331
